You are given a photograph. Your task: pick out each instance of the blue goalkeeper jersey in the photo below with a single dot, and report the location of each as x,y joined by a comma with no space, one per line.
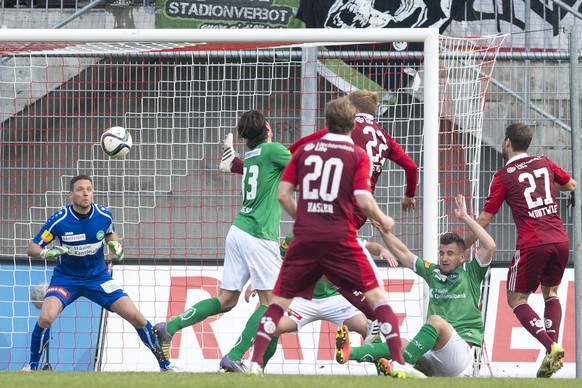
82,236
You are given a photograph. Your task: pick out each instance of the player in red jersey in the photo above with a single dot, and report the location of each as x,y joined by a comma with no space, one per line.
367,134
528,184
333,175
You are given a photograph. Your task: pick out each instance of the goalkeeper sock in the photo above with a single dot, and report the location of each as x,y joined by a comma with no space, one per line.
40,337
247,337
197,313
420,344
370,353
270,352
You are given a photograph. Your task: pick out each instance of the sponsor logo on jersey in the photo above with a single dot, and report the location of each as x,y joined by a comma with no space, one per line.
295,314
100,235
453,276
74,237
253,153
309,147
246,210
47,236
84,250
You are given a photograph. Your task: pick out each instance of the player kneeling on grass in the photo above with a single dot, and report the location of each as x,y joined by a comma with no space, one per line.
326,304
443,346
81,229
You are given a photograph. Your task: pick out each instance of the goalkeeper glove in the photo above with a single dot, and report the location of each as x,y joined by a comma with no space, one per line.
53,252
228,154
116,248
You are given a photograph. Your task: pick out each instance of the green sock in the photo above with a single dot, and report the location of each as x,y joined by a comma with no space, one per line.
420,344
197,313
247,337
270,351
370,352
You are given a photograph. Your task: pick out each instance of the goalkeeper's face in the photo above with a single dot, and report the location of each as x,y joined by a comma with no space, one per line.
82,196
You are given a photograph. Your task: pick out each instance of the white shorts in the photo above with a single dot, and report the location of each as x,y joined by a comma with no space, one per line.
248,257
453,358
334,309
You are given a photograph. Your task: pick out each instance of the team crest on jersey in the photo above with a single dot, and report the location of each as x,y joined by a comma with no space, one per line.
100,235
426,264
46,236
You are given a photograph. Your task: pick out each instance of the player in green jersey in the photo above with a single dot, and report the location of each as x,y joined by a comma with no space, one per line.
251,247
326,304
454,325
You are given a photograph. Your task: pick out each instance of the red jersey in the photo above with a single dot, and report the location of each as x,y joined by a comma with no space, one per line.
380,146
526,183
329,172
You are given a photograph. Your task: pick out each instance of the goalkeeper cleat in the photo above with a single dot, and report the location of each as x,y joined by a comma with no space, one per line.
227,365
164,341
26,368
342,345
255,370
228,154
552,362
406,371
170,368
373,332
383,367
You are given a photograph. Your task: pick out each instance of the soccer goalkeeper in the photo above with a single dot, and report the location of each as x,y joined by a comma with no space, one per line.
81,229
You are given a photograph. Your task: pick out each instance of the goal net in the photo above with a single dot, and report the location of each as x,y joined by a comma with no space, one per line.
179,92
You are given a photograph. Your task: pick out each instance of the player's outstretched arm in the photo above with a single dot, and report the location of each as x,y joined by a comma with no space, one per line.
486,243
398,249
383,253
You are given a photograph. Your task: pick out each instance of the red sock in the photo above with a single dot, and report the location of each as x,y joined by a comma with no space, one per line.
358,300
532,323
389,328
267,327
553,317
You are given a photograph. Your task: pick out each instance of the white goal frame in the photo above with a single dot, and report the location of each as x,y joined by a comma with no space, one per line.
428,36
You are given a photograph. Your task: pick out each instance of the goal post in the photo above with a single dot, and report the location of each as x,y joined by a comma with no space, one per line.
179,92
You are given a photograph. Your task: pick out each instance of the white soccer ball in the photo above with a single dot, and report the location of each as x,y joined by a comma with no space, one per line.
37,294
116,142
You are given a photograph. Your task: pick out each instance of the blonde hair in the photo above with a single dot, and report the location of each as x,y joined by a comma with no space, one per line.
365,101
340,116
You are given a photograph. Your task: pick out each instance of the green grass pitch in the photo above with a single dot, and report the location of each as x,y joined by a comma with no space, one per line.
231,380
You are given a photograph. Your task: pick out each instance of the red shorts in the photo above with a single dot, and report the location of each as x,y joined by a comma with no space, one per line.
533,266
345,263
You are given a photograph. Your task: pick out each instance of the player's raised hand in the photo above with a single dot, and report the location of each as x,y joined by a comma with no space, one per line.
53,252
460,207
408,204
116,248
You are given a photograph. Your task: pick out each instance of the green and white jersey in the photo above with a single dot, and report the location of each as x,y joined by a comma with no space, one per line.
455,297
261,212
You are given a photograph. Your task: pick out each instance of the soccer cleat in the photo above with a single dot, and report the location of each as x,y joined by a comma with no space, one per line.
342,345
405,371
373,332
552,362
383,367
228,154
227,365
255,370
26,368
164,341
171,368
